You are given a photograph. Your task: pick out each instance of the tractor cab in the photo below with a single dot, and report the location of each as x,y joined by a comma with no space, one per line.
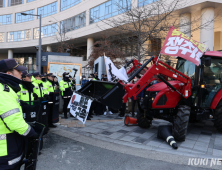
206,78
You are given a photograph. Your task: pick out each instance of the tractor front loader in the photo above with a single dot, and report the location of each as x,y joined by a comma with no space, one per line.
187,93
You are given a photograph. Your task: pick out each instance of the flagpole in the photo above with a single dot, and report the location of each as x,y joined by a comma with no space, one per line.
105,66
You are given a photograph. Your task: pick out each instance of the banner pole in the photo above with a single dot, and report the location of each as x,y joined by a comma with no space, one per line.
105,66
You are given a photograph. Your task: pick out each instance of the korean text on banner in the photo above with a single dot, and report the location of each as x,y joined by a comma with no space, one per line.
178,44
114,73
79,107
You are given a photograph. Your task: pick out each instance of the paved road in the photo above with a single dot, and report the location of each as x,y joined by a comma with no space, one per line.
62,153
202,139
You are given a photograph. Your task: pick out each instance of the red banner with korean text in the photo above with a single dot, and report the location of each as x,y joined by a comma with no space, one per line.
178,44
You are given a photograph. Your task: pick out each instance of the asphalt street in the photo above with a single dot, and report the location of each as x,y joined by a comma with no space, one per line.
62,153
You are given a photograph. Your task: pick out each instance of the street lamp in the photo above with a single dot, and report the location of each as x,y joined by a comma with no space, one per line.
40,42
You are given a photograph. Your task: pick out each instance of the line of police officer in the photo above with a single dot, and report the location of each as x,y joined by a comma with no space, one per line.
19,88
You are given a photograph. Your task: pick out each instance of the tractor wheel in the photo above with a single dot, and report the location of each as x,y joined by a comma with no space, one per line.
218,117
181,123
142,120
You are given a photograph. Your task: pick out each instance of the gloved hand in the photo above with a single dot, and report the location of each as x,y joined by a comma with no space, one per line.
35,96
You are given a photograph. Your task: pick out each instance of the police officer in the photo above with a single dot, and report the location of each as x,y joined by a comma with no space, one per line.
50,85
44,83
27,98
66,92
13,127
38,87
26,93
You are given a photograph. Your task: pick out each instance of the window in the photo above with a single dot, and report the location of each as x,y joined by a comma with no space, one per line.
27,60
2,37
19,35
212,78
73,23
46,31
24,18
109,9
48,9
65,4
5,19
2,3
30,0
145,2
15,2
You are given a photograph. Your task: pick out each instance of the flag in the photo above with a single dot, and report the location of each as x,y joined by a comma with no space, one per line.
178,44
113,72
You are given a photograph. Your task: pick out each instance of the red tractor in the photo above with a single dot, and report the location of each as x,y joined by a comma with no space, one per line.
187,93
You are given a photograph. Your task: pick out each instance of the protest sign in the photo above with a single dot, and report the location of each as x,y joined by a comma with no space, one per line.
178,44
79,107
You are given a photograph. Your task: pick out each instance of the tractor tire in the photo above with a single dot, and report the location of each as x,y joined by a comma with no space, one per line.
181,123
218,117
142,120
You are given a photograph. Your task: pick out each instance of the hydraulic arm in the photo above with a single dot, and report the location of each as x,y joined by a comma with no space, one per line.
157,71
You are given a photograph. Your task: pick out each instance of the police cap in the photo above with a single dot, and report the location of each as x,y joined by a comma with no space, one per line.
9,64
44,74
36,74
26,74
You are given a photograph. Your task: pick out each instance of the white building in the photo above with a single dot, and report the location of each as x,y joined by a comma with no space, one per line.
19,34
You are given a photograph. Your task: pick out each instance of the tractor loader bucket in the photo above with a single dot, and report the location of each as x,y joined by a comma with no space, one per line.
107,93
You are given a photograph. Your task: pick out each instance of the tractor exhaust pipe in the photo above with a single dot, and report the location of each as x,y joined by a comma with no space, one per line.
140,69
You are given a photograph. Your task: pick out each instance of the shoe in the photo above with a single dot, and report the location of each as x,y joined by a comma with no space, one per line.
88,118
66,117
110,112
52,126
104,113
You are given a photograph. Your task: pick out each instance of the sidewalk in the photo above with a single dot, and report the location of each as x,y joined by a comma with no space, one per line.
203,140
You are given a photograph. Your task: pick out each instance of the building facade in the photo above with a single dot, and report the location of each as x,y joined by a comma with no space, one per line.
80,21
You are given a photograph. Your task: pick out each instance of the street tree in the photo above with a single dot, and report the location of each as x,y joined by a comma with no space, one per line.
106,48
